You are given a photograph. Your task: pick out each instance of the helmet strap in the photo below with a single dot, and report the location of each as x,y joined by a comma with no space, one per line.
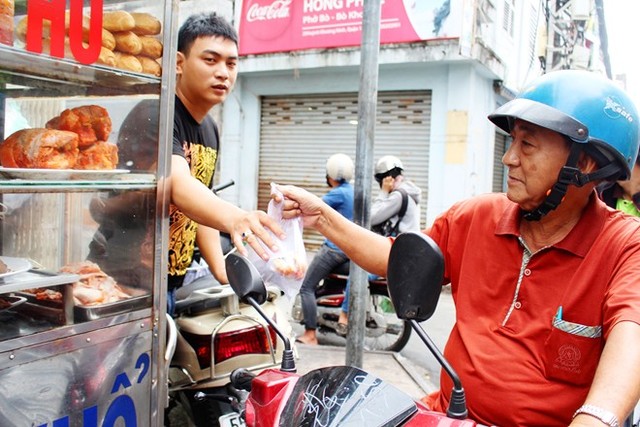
569,174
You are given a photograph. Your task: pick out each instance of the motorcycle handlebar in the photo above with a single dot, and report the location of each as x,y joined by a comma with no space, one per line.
241,378
222,186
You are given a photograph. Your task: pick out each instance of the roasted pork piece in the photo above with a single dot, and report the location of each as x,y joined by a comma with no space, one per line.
40,148
91,122
99,156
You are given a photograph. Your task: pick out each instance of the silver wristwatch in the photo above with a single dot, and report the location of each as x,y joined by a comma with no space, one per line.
607,417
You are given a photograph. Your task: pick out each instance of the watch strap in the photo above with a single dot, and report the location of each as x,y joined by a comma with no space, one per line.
607,417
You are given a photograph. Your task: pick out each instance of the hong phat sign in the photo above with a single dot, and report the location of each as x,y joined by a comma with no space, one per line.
285,25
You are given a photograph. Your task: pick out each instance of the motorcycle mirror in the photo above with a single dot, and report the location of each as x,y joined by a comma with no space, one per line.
414,276
244,278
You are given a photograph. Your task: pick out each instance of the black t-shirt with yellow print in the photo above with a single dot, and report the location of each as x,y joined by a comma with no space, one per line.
198,144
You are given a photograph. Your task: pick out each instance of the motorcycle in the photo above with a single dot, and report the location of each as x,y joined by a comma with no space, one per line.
343,395
383,330
210,335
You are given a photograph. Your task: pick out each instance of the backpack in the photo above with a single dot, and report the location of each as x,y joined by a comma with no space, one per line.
387,228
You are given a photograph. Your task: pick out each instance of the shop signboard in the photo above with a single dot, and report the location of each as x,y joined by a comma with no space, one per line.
268,26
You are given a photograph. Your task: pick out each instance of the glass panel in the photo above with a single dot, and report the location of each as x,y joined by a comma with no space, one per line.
78,166
75,257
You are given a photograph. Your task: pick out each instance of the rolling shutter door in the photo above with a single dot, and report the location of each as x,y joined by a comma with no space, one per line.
499,148
299,133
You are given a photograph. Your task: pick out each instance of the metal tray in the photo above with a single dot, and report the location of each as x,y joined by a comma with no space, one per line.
58,312
65,311
139,300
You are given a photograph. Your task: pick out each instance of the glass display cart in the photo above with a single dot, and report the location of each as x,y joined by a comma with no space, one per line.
85,116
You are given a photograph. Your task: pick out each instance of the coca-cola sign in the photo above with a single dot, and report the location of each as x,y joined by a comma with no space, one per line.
285,25
267,19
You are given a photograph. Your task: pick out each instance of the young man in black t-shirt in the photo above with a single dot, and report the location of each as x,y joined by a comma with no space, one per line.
206,67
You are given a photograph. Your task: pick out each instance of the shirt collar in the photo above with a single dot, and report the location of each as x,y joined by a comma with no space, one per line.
580,238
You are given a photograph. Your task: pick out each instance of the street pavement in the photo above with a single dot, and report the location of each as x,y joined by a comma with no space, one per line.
414,370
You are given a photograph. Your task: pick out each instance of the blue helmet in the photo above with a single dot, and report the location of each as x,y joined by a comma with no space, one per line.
585,107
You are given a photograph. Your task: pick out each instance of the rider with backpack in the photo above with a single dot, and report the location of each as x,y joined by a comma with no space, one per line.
395,210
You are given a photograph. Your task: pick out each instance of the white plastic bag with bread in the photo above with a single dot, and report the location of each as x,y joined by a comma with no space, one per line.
287,267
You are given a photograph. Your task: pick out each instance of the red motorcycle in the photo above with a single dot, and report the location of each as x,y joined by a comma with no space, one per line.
343,395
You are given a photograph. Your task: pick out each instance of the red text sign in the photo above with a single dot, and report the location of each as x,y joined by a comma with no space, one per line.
56,15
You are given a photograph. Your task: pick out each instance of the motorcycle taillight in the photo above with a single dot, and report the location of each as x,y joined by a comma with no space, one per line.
230,344
245,341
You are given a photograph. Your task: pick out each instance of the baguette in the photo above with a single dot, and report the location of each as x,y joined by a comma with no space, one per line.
108,41
151,47
107,57
127,62
146,24
150,66
118,20
127,42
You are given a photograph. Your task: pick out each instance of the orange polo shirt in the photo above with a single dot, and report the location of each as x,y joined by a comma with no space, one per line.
516,367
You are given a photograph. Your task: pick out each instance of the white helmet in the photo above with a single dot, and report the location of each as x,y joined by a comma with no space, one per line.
387,164
340,167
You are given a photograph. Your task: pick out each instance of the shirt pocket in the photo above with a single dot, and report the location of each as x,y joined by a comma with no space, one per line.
572,352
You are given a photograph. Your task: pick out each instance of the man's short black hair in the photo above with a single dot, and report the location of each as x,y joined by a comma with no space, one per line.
204,25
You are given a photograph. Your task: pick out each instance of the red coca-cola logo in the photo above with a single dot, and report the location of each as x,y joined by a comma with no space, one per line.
267,19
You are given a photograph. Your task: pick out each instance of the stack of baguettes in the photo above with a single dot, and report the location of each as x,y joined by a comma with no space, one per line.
137,47
76,139
129,40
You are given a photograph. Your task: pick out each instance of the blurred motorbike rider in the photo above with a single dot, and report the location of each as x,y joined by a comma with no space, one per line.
339,172
386,206
545,278
389,175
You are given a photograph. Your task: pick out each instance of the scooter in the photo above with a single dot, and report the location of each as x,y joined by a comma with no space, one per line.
210,335
343,395
215,334
383,330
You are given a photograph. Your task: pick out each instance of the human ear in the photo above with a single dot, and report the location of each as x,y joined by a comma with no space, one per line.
587,164
179,62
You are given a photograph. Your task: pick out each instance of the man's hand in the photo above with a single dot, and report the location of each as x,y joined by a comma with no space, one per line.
251,229
388,184
299,202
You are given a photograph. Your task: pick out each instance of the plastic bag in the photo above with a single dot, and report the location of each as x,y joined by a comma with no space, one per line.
287,267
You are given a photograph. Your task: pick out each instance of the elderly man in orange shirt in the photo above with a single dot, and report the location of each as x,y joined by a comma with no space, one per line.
545,278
